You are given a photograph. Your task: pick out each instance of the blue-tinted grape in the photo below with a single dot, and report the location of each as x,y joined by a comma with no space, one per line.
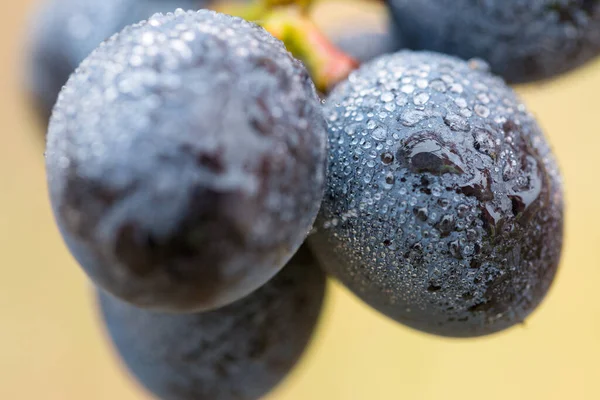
443,206
186,160
522,40
239,352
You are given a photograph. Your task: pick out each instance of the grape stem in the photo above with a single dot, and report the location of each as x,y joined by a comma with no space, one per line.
326,63
290,22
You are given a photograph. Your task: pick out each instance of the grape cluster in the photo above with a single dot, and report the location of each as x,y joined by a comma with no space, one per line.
206,189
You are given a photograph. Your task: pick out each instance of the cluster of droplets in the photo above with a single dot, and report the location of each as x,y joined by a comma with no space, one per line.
145,67
437,160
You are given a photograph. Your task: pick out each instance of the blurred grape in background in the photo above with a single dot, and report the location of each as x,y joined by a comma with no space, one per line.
64,32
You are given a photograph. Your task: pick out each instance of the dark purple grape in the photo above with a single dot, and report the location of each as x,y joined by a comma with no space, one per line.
443,206
239,352
522,40
186,161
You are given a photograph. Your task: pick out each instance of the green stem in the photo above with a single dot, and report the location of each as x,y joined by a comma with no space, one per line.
290,22
326,63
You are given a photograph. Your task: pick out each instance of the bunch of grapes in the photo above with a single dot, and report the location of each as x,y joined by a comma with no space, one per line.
207,172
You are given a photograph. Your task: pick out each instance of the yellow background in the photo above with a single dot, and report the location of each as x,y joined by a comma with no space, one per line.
53,348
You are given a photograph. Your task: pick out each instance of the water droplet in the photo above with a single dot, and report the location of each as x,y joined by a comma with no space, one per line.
408,89
136,61
468,250
379,134
434,287
483,98
511,167
455,249
444,203
371,124
389,179
422,213
438,85
524,196
426,152
153,21
480,87
479,186
182,48
461,102
387,97
387,158
412,117
482,110
401,100
484,142
422,83
456,88
190,36
500,120
352,129
471,235
446,225
421,99
456,122
148,38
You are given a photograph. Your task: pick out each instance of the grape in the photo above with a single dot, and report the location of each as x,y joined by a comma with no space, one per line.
443,207
186,161
238,352
523,41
